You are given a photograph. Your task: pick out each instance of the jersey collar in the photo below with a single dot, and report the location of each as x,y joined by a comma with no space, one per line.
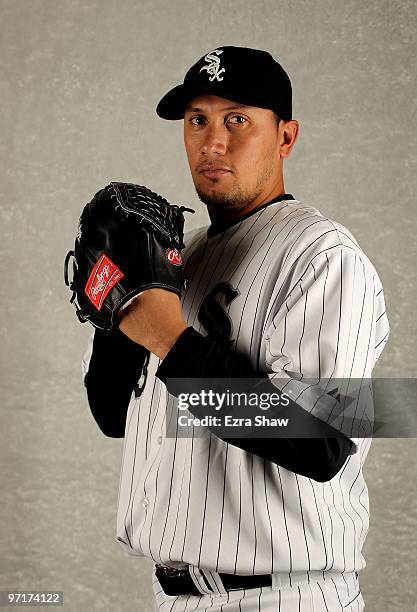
217,228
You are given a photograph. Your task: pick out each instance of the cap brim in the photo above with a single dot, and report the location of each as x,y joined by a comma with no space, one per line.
172,105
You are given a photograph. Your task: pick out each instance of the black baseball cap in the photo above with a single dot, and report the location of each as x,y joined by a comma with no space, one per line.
244,75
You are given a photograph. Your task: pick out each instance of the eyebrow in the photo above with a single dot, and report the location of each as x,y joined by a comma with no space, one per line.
196,109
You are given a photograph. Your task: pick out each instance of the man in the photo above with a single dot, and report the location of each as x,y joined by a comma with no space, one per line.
276,290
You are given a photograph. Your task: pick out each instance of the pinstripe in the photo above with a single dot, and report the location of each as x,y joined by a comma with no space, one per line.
189,491
120,487
353,244
192,244
324,599
285,520
240,280
154,409
169,491
173,603
302,521
320,522
381,341
312,596
239,519
343,527
196,283
269,521
249,293
223,496
309,306
322,316
273,305
153,509
381,315
226,272
356,344
131,493
352,549
271,248
205,499
318,336
198,603
365,369
253,515
328,250
205,280
337,593
351,310
131,485
266,226
178,511
356,512
240,600
338,325
300,364
152,522
229,262
309,244
259,600
147,428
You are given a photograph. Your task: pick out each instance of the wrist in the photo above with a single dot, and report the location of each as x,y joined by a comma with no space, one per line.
162,348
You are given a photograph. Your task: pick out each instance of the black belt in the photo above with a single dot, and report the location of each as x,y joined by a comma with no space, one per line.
179,582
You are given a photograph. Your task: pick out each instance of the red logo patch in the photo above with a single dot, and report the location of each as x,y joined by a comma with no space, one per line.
104,276
173,256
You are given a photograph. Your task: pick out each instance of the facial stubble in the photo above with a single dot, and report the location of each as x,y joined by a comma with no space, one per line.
239,197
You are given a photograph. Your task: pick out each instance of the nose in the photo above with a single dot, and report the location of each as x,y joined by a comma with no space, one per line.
215,139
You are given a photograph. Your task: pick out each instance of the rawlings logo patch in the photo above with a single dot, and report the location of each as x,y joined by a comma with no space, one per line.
104,276
173,256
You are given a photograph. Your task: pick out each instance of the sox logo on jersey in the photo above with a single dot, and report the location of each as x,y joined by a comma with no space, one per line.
292,290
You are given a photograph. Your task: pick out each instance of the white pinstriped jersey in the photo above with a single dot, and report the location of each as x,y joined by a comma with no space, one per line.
308,304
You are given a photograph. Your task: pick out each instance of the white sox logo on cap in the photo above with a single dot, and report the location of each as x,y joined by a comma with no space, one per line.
213,66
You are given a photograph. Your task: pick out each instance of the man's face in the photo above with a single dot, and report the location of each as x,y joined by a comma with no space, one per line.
233,151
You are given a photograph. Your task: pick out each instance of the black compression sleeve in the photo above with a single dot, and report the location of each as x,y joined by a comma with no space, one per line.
115,366
320,458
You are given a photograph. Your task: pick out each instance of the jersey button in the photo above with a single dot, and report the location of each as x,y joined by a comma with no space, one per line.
145,502
159,439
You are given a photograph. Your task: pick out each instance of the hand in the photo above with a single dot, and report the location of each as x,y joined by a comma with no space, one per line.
154,320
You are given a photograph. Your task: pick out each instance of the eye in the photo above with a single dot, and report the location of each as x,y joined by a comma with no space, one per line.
238,119
197,120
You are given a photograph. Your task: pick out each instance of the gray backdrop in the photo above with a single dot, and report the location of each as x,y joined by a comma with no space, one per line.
79,84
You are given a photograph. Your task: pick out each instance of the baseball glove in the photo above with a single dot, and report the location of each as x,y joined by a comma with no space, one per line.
129,239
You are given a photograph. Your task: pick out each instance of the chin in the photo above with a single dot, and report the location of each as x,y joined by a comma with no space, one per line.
217,199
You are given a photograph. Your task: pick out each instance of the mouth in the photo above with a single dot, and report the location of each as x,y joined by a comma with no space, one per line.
212,171
213,174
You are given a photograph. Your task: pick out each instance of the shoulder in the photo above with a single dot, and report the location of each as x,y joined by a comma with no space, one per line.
193,239
311,227
194,235
314,234
311,243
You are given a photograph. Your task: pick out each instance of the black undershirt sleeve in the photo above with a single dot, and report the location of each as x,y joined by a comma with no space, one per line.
319,458
114,369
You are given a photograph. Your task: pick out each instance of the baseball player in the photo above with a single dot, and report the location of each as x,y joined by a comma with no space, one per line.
277,289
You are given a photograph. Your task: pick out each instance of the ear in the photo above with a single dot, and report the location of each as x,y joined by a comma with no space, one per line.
288,132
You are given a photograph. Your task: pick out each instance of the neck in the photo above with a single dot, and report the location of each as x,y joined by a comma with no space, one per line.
219,215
